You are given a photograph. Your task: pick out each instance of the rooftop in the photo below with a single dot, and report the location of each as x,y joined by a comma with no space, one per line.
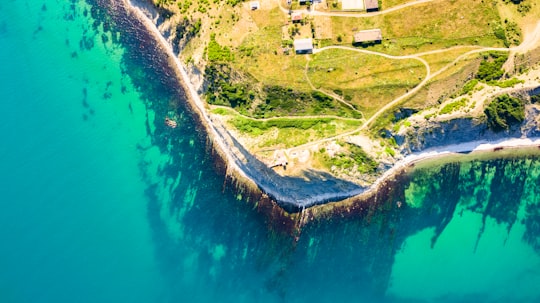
296,16
254,5
303,45
372,5
352,5
368,35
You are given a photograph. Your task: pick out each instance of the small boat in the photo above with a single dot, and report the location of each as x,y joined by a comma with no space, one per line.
171,123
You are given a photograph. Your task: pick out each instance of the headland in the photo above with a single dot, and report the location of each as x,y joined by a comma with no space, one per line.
289,183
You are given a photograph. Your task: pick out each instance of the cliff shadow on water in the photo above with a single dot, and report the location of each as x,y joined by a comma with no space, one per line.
367,234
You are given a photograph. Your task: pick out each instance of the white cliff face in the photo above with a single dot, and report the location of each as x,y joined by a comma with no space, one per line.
438,133
462,130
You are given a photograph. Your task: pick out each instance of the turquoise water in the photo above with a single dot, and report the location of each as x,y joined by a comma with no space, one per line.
102,203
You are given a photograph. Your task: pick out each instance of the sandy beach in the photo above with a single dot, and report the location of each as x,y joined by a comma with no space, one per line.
241,164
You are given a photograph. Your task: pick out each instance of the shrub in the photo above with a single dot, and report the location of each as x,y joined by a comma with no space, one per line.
513,34
491,67
354,155
216,52
504,111
453,106
468,87
506,83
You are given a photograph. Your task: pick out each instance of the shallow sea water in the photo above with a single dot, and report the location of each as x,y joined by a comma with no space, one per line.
102,203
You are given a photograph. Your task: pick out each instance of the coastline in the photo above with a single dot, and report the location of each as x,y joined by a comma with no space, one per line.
243,172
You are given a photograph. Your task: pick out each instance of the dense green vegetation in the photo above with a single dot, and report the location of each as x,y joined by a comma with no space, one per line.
216,52
255,127
504,111
468,87
535,99
355,156
224,90
281,101
228,87
491,67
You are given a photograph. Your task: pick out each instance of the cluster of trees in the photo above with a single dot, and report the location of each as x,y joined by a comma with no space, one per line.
223,90
280,101
504,111
491,67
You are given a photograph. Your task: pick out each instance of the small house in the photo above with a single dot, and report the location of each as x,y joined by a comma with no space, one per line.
368,36
303,46
296,17
371,5
254,5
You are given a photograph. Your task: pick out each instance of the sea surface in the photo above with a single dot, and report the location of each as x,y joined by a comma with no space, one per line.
100,202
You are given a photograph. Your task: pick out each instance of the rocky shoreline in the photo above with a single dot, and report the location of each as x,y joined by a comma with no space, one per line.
291,202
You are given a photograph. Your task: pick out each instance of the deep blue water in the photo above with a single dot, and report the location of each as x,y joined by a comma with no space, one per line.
100,202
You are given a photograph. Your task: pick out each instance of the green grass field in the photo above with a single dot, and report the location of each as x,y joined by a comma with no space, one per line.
286,133
366,81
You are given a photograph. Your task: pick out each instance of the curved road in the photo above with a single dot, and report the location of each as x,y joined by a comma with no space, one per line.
531,41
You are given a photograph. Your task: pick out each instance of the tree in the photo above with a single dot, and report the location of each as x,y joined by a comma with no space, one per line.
504,111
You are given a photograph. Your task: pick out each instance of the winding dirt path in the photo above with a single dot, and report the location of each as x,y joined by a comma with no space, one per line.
333,96
532,40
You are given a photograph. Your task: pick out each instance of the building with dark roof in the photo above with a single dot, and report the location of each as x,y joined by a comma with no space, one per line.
371,5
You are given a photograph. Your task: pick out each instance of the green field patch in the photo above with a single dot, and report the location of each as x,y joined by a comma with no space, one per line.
368,82
386,4
447,84
440,60
286,132
260,55
280,101
506,83
453,106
